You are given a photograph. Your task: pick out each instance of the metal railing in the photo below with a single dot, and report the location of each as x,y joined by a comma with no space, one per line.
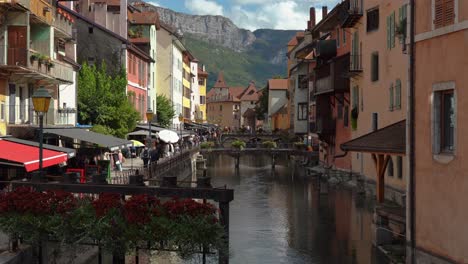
355,64
25,115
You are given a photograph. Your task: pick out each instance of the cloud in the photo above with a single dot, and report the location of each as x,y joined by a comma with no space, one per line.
155,3
204,7
286,14
249,2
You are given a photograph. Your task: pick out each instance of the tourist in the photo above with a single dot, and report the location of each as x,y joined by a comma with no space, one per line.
145,156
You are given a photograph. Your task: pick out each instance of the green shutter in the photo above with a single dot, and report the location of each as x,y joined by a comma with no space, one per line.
389,45
390,107
398,94
392,25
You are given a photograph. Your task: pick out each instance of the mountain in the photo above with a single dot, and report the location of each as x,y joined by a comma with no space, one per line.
219,44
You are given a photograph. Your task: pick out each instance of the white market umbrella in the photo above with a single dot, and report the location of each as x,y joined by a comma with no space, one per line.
168,136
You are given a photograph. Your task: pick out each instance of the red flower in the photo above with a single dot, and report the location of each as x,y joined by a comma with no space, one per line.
106,202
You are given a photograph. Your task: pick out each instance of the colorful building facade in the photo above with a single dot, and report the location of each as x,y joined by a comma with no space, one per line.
441,30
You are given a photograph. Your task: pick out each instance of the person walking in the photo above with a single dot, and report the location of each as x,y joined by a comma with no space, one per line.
145,156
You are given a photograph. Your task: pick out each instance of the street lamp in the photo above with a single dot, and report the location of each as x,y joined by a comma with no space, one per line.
181,119
41,102
149,117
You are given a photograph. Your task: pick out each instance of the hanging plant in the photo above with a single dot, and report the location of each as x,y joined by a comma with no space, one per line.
238,144
34,57
354,117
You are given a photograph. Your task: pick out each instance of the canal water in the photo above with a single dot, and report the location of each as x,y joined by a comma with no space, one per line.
281,216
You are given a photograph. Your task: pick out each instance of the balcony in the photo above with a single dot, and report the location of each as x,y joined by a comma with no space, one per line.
41,11
325,125
355,65
62,25
22,62
219,98
350,13
17,4
332,76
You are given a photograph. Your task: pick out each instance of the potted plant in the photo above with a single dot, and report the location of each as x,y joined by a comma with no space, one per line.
34,57
207,145
238,144
269,144
400,29
42,59
354,117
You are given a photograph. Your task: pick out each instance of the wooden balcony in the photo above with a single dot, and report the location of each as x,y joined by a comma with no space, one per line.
325,125
350,13
62,25
41,11
332,76
16,4
62,71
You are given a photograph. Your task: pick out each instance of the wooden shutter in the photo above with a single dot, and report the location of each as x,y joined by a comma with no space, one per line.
444,13
389,45
390,97
392,30
398,94
449,12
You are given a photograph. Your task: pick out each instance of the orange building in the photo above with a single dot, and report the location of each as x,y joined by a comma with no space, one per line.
441,66
278,116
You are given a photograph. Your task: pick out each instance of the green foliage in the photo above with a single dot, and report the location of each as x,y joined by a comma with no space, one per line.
299,145
164,110
102,101
207,145
269,144
238,144
239,67
261,109
101,129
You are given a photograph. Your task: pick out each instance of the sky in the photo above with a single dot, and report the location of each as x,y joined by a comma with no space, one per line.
253,14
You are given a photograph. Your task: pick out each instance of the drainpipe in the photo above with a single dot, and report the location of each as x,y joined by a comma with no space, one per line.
411,206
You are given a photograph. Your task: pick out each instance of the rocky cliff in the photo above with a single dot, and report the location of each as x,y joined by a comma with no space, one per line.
216,29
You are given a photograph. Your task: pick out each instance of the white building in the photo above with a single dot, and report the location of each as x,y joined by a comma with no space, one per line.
195,98
176,85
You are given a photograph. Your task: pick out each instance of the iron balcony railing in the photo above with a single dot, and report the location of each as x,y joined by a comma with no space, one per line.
350,13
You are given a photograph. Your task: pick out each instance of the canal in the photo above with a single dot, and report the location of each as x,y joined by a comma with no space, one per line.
281,217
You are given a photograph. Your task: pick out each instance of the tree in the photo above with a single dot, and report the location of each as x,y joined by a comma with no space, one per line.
261,109
164,110
102,101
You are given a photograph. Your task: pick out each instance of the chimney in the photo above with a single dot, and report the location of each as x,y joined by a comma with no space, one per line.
324,12
312,17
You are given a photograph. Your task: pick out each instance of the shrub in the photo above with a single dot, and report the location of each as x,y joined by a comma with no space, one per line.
269,144
207,145
238,144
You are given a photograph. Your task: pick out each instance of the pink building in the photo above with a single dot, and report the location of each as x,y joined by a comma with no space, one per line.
137,76
441,66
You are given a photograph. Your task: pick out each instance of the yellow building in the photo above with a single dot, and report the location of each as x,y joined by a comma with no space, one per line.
186,83
2,107
202,77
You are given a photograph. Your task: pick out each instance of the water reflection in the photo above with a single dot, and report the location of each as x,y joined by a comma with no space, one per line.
280,217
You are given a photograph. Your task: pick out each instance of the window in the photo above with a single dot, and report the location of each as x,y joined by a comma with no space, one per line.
375,66
444,13
303,82
390,96
2,111
391,31
302,111
355,100
397,94
399,165
375,121
339,110
220,107
346,116
372,19
201,81
338,37
390,167
344,37
447,121
90,29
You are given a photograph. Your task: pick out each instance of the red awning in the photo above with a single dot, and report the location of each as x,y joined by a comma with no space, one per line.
16,154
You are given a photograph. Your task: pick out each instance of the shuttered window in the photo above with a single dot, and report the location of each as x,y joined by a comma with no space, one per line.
391,31
375,66
355,97
390,96
398,94
444,13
